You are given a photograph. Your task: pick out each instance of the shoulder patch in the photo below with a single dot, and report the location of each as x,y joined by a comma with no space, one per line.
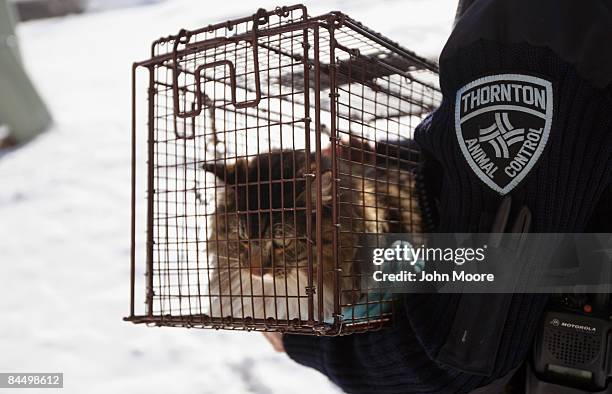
502,123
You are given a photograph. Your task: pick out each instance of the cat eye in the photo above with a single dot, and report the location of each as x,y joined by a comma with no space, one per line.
282,234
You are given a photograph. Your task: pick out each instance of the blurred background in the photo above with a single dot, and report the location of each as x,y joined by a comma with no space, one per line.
65,68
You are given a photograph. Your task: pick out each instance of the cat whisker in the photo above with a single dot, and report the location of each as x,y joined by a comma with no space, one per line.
228,258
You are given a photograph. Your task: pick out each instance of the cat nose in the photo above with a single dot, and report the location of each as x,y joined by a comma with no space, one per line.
259,261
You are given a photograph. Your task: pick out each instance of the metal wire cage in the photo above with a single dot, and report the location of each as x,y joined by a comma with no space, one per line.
275,144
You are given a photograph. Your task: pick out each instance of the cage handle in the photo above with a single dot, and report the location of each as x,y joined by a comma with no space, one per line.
183,38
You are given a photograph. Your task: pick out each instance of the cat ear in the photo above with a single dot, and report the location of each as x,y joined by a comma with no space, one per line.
327,181
228,173
356,149
224,172
326,185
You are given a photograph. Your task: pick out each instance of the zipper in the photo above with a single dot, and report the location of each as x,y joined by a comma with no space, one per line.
427,204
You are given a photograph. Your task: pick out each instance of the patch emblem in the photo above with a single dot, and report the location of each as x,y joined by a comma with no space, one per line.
502,124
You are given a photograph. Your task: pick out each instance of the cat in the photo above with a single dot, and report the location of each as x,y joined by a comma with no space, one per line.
257,244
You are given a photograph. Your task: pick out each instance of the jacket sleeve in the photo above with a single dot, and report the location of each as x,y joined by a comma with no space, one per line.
386,361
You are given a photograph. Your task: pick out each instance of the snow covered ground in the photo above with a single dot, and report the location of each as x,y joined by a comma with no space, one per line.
64,209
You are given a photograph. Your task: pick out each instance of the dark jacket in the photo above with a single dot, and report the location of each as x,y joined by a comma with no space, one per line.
567,43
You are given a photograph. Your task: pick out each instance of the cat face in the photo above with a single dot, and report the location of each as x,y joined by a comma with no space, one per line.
261,219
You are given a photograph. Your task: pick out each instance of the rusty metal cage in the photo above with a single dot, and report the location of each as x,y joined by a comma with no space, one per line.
275,143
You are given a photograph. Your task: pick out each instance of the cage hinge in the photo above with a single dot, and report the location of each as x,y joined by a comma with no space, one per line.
261,17
282,11
334,95
336,19
310,290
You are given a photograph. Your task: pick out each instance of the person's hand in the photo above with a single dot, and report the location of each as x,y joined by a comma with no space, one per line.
276,340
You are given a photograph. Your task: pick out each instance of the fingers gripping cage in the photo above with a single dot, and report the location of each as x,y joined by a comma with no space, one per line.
276,145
